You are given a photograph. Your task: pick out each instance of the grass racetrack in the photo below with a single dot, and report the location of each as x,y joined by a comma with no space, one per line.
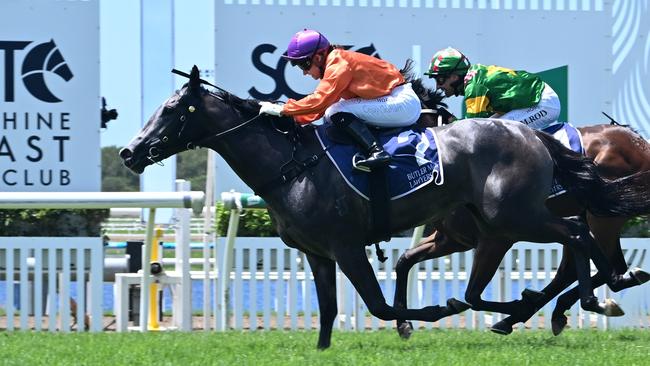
434,347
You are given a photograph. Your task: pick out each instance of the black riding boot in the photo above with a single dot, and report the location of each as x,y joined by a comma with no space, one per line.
360,133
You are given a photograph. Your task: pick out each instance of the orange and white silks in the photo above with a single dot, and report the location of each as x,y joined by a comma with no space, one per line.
347,75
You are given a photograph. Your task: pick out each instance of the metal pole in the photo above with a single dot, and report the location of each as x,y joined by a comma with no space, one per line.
146,271
25,200
156,256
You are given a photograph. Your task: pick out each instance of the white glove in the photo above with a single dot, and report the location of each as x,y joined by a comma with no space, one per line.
271,108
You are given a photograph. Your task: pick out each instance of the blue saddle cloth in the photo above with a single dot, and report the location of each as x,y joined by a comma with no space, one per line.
570,137
415,160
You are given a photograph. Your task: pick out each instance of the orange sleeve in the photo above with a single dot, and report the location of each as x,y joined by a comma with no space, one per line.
305,119
336,79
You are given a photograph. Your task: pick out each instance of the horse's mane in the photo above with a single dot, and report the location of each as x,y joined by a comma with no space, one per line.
244,105
431,98
614,122
250,108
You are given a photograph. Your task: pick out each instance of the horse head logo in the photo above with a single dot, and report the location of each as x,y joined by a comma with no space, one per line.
42,59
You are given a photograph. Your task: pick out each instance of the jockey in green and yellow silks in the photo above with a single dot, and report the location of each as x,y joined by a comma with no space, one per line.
493,91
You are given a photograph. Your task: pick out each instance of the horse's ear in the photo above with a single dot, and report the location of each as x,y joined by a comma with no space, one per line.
195,80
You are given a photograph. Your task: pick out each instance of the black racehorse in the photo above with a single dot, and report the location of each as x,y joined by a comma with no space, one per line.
501,169
617,151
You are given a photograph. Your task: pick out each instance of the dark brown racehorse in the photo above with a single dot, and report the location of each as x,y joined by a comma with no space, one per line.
315,211
617,151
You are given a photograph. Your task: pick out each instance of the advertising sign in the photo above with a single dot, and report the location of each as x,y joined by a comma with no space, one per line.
568,43
49,96
573,38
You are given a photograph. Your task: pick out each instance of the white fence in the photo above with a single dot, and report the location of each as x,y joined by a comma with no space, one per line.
35,256
274,282
45,268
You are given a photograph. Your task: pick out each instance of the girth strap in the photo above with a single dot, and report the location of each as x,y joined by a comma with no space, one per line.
291,173
380,209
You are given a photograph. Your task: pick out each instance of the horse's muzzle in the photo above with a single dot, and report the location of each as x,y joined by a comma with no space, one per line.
126,153
128,160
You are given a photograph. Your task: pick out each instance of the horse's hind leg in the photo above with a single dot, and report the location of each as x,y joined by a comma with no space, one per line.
565,276
436,245
575,235
354,263
324,270
487,257
584,246
606,232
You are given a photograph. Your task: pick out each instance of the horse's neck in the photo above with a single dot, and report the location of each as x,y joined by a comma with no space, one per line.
256,154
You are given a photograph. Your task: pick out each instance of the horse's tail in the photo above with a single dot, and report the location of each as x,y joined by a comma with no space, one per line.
623,197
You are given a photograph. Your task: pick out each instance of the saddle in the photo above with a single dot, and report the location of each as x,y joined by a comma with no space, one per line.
377,187
341,137
414,164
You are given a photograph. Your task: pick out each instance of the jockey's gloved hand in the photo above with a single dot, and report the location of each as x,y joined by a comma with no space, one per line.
271,108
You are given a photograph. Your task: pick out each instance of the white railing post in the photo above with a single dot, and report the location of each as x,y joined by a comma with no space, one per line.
226,260
183,296
208,235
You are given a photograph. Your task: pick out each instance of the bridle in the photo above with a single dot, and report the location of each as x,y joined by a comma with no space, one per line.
191,109
288,171
154,151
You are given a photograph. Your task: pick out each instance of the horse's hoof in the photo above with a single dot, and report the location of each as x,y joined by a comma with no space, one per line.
558,324
612,309
531,296
502,328
640,275
405,330
457,306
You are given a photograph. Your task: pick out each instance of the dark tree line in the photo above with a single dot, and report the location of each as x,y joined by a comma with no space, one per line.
190,165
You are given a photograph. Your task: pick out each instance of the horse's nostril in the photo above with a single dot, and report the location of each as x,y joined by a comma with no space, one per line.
126,153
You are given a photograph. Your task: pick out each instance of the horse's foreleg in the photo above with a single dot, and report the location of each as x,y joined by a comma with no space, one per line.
354,263
435,246
324,271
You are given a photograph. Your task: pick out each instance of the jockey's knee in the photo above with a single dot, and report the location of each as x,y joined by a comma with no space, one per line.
342,119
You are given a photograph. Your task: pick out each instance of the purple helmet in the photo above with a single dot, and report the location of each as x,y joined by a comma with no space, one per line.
305,44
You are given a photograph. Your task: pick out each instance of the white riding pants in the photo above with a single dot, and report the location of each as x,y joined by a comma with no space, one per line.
398,109
539,116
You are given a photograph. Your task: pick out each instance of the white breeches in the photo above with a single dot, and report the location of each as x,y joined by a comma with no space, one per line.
400,108
539,116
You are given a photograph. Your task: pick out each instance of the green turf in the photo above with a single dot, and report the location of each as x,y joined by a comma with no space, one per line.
438,347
